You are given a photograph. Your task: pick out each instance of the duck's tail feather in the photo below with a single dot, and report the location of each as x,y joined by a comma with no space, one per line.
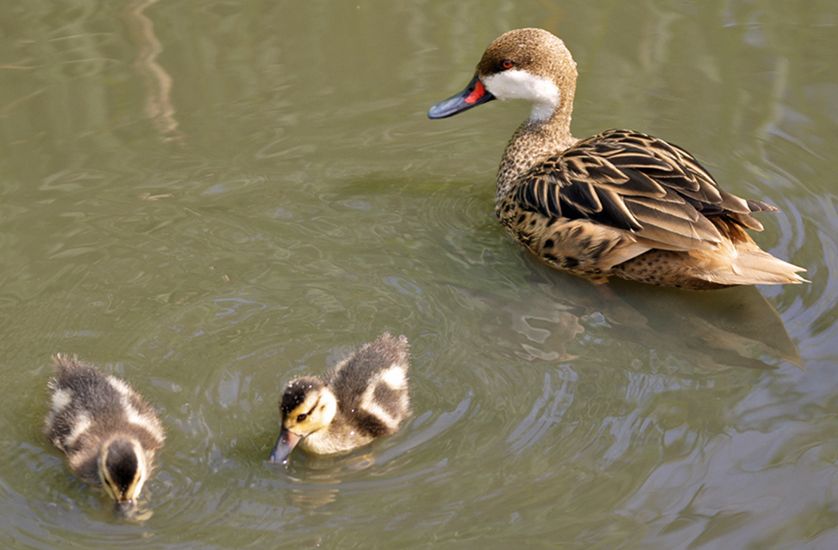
747,264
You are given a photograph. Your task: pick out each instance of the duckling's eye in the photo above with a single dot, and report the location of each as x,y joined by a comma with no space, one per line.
301,417
507,64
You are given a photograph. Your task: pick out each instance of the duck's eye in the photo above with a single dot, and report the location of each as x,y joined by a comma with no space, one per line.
507,64
301,417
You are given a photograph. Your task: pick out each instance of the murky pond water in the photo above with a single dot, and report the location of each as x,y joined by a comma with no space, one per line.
210,198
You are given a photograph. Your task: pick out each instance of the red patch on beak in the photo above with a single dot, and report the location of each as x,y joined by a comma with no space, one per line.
478,92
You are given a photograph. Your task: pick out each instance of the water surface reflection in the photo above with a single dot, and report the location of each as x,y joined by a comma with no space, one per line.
313,206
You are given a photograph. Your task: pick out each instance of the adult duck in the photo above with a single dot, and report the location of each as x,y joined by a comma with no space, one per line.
620,203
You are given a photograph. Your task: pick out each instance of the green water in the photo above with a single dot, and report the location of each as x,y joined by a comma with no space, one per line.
209,198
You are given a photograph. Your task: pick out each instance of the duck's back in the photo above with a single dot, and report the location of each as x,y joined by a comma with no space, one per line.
371,385
629,204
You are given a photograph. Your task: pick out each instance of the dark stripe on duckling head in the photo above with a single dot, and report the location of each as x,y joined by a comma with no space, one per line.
295,393
121,463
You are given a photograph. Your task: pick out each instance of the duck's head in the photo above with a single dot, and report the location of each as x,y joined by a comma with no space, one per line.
123,470
529,64
307,405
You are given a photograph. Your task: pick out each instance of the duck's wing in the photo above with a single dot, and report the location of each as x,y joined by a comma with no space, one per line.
384,360
638,183
371,385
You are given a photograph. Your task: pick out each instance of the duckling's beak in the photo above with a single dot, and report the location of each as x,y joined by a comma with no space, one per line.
126,508
285,443
473,95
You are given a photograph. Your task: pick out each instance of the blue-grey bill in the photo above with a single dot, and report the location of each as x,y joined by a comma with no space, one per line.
125,508
285,443
473,95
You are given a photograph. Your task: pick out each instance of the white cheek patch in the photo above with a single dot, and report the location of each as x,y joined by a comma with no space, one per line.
519,84
330,401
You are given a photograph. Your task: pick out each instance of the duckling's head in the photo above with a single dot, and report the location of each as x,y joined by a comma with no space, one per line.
307,405
530,64
123,470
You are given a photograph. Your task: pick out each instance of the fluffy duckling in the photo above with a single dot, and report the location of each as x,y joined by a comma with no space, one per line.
620,203
363,397
107,430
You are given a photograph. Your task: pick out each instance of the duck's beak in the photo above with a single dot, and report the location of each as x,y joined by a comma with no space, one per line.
126,507
474,94
285,443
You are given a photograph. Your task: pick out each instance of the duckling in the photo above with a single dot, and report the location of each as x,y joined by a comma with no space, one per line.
107,430
621,203
363,397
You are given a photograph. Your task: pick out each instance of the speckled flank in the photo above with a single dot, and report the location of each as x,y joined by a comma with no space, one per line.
619,203
663,268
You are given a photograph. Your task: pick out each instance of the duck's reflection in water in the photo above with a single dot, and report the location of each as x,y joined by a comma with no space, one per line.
560,320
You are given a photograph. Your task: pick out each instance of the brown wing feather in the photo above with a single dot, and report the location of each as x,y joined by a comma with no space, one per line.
635,182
